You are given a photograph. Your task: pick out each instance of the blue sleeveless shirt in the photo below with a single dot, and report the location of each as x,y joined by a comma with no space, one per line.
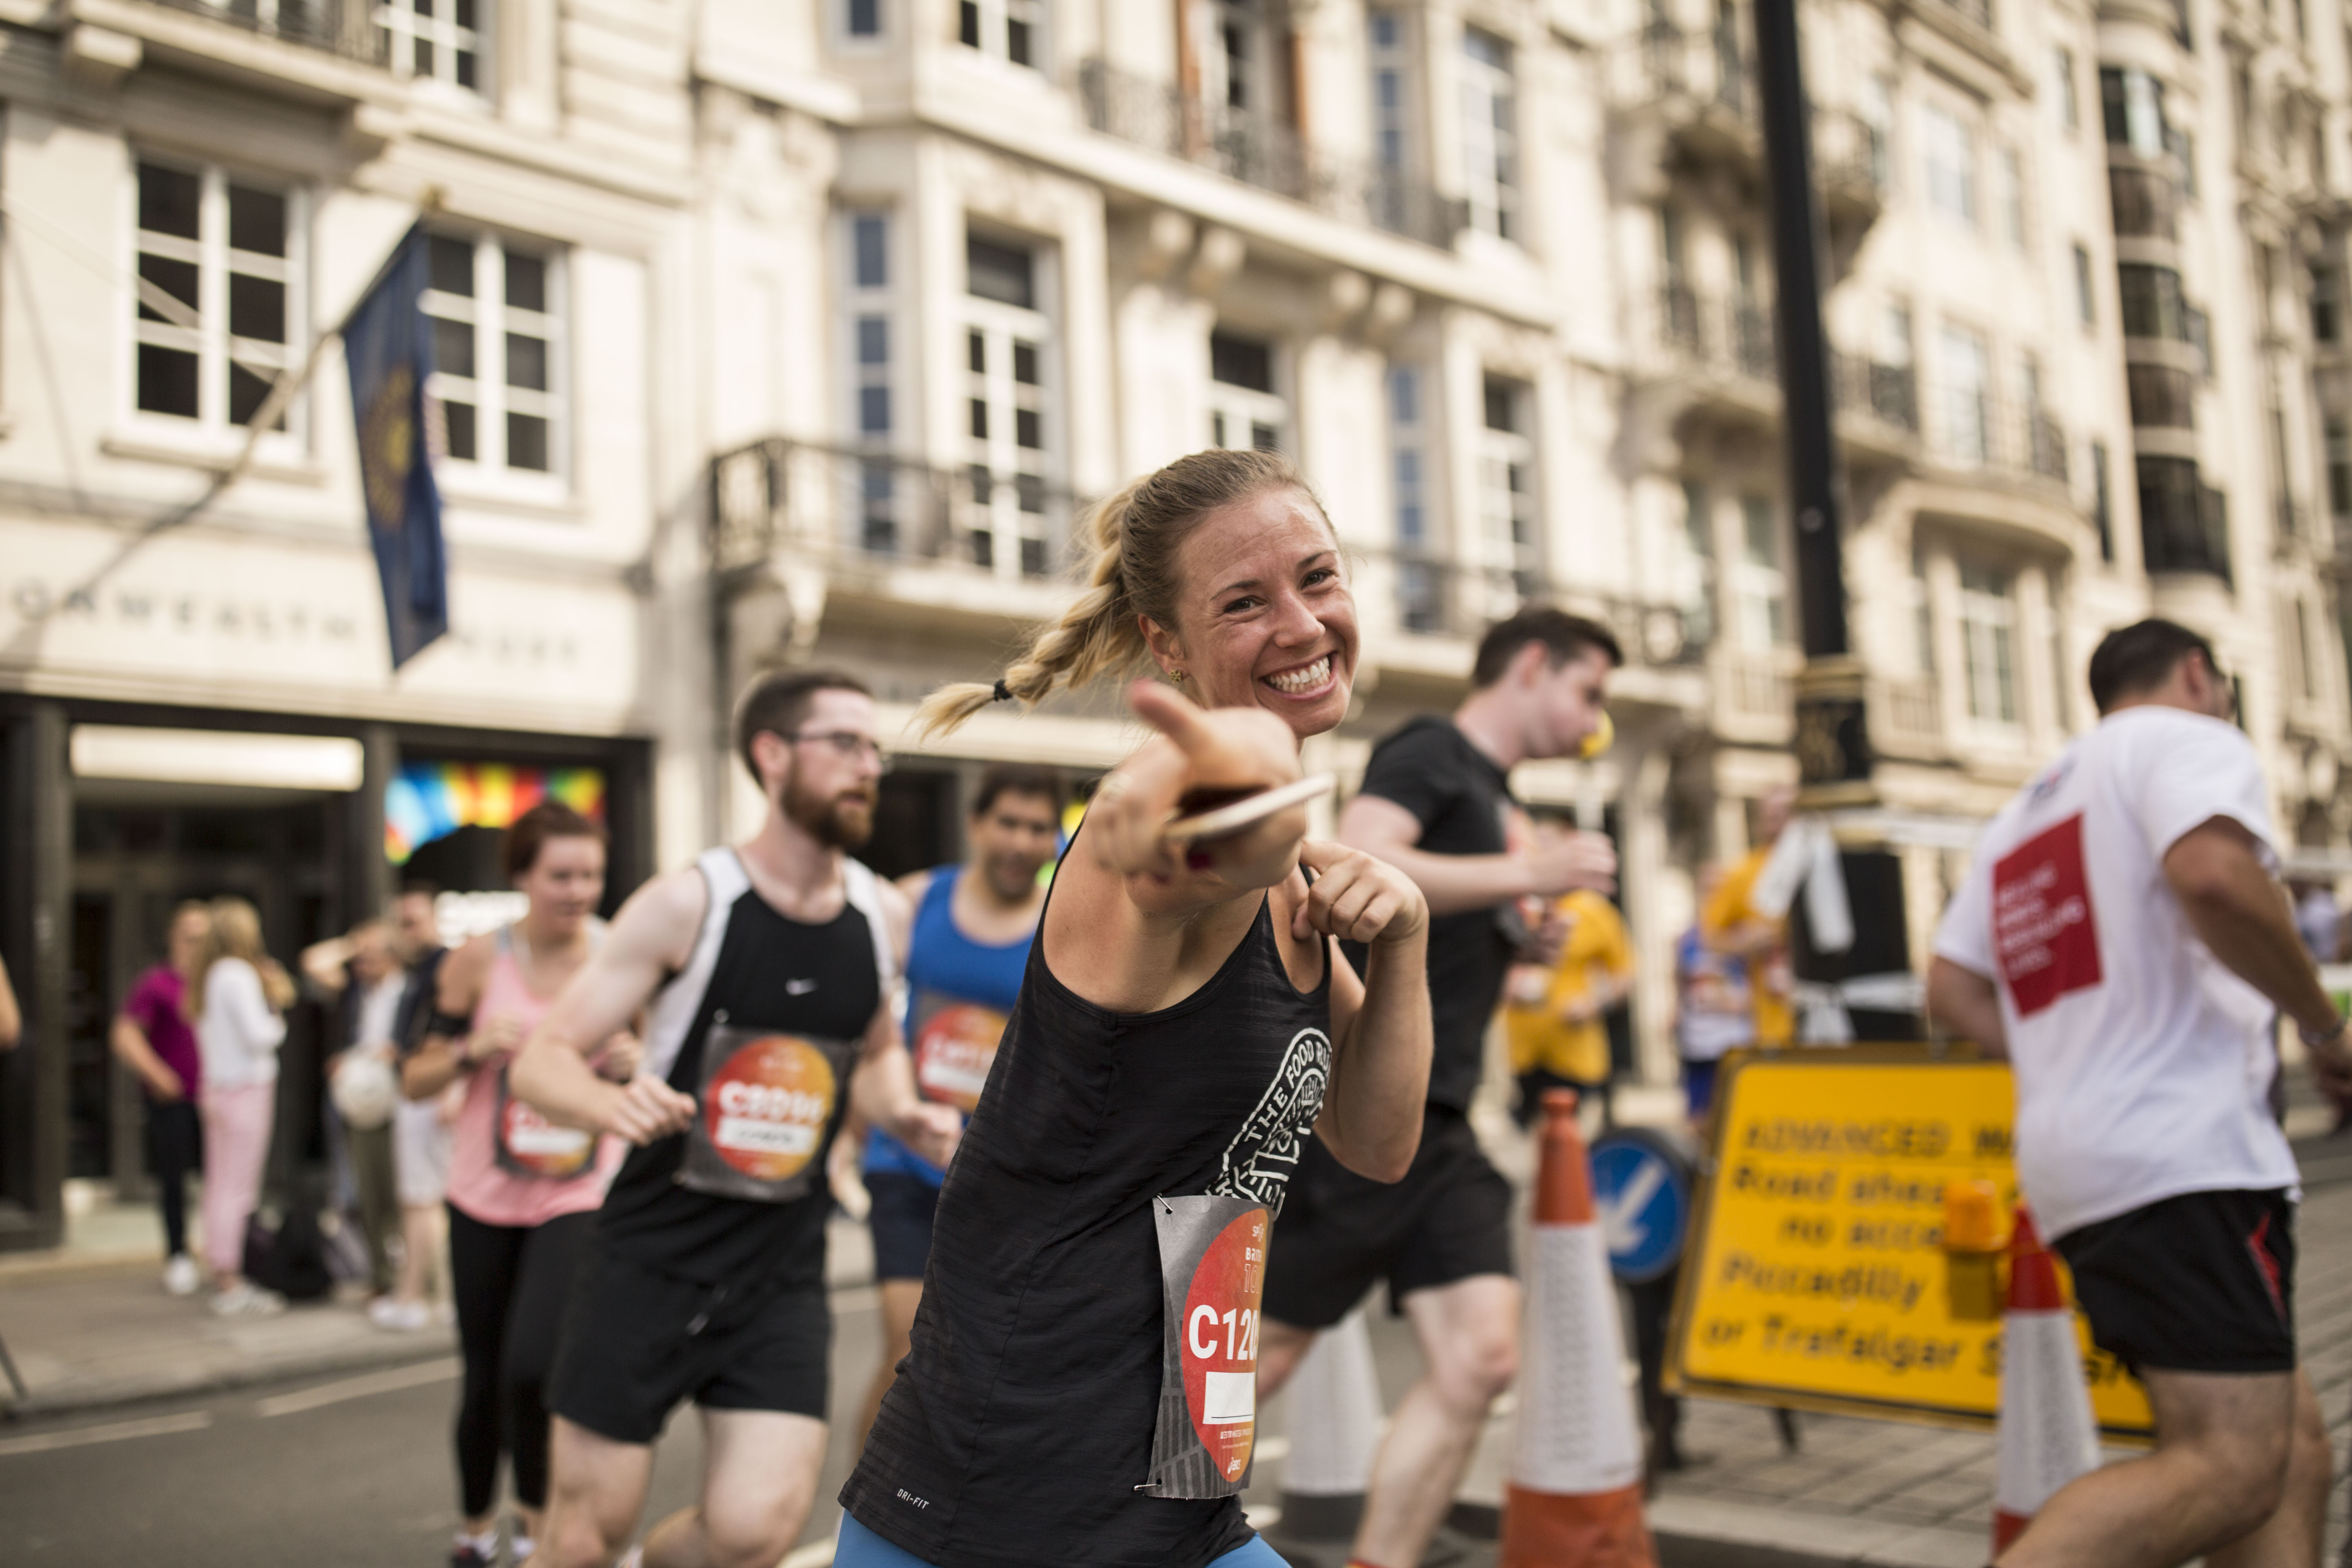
944,968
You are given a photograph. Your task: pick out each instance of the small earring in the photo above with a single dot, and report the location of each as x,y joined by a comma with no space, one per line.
1177,676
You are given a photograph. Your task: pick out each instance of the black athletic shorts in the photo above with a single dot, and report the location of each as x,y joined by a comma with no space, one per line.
901,1222
2202,1282
636,1344
1339,1233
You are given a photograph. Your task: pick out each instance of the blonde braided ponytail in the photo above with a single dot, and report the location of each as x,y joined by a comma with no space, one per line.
1133,536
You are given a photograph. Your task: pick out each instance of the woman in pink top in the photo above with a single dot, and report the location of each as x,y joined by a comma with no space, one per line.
522,1193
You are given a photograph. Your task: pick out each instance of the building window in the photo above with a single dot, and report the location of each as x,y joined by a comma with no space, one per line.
1698,556
1244,410
1877,117
2305,652
1419,582
862,19
1761,585
2326,304
1967,394
1951,153
2152,302
871,331
436,41
2102,501
1988,642
1490,142
229,253
1008,359
1923,615
1010,30
2070,106
2010,171
2339,469
1391,62
2086,308
1508,518
2132,105
497,351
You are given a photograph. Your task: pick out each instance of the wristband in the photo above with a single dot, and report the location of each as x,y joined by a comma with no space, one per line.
2322,1037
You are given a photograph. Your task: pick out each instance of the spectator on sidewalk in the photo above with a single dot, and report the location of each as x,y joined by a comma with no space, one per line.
362,974
1730,922
1555,1017
420,1128
1715,1006
237,1000
2122,937
152,1038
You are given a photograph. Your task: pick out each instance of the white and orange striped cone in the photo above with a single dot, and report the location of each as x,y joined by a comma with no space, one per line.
1332,1407
2047,1436
1576,1477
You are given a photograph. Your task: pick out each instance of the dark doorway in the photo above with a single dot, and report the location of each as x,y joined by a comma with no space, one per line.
914,822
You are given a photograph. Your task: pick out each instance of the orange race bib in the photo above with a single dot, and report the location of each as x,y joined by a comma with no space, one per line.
529,1144
1212,1279
955,1045
769,1105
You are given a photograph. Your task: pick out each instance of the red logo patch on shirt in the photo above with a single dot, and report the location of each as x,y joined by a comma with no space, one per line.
2045,936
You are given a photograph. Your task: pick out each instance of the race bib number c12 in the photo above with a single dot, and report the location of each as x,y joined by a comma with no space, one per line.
529,1144
955,1045
1212,1279
765,1114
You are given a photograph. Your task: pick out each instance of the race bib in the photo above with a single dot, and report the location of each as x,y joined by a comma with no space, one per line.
955,1045
1212,1277
529,1144
767,1112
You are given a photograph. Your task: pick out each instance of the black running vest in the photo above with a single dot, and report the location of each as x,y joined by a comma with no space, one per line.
1022,1420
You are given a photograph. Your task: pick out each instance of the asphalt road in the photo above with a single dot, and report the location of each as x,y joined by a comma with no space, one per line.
353,1472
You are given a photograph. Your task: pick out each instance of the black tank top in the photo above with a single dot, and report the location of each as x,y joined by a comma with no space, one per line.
1021,1422
762,971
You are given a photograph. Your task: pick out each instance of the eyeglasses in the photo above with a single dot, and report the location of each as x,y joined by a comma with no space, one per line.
848,744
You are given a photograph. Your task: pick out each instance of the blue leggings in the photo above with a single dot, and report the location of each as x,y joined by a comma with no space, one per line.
861,1548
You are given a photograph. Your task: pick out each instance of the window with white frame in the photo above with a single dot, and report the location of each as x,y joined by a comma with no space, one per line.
218,310
1240,65
1009,29
499,373
1761,585
1950,147
1391,62
861,18
1923,613
1490,141
1008,366
870,333
2070,105
1510,533
436,41
2008,172
1877,116
1420,581
1698,563
1989,642
1244,410
1966,400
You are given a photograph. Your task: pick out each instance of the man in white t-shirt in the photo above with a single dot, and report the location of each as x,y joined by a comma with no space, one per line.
2122,936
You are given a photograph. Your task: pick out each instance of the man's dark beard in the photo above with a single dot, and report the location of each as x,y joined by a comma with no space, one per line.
828,819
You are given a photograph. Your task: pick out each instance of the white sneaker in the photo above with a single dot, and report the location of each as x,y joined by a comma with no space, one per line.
399,1316
180,1274
246,1301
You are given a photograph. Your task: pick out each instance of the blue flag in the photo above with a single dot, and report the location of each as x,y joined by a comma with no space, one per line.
388,345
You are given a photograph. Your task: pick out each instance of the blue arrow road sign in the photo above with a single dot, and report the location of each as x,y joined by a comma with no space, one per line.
1642,1194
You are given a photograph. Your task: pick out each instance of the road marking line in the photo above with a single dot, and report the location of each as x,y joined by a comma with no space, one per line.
154,1426
818,1555
391,1381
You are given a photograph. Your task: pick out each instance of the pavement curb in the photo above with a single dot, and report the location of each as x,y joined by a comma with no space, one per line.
70,1401
1705,1533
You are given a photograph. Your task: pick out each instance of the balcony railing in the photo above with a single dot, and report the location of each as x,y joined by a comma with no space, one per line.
1887,393
344,28
850,505
1729,336
1710,66
1968,428
2146,202
1711,69
1257,150
1449,598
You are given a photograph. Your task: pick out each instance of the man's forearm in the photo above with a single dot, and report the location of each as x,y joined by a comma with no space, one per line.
1454,883
882,1089
1379,1079
2245,923
551,1075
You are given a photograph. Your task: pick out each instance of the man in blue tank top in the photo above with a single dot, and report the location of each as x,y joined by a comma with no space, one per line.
973,925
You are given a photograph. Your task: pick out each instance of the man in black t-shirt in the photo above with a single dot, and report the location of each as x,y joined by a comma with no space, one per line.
1436,804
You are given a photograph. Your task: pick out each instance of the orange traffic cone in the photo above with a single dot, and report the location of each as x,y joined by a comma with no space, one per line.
2047,1436
1576,1478
1333,1402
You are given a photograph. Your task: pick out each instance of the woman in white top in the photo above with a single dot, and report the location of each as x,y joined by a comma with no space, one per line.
236,1003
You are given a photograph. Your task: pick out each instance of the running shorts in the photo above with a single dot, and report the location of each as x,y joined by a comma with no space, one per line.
901,1222
1448,1219
636,1344
861,1548
2201,1282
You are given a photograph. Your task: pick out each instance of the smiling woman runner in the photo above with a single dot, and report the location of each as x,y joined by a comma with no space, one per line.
1080,1389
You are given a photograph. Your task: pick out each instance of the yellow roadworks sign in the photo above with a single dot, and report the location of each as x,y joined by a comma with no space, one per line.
1816,1276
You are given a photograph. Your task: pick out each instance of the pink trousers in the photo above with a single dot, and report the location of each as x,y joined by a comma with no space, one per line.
237,1143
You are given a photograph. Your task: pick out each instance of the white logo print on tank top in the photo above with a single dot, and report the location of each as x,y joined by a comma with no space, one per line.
1259,1162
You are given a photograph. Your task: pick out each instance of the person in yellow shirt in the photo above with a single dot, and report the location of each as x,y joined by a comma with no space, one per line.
1730,923
1553,1019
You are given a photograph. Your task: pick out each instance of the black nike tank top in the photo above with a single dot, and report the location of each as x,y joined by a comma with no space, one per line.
1020,1423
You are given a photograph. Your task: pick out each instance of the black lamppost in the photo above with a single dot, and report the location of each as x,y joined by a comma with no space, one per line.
1832,736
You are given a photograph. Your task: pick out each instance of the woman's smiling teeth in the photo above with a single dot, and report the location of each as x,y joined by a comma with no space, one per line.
1306,678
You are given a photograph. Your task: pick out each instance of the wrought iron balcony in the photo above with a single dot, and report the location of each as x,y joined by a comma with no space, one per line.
1258,151
1887,393
1969,427
342,27
851,506
2146,201
1732,337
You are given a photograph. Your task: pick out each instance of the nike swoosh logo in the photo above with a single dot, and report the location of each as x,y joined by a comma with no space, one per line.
799,987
